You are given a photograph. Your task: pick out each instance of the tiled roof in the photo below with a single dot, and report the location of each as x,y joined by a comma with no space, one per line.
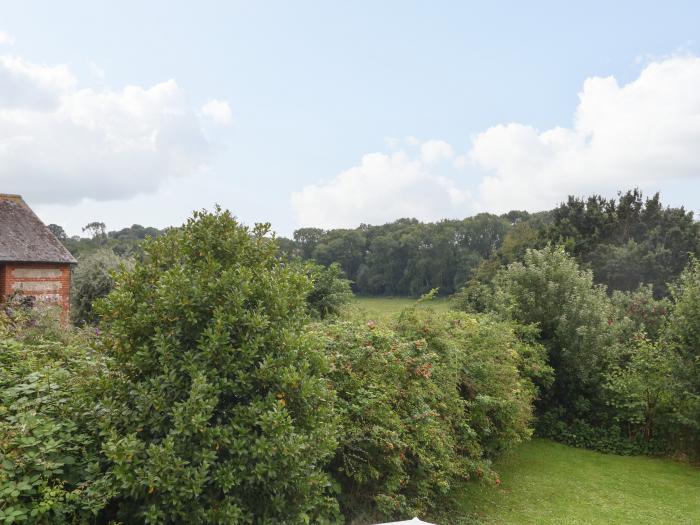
23,237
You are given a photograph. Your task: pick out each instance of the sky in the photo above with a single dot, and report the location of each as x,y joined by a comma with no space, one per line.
333,114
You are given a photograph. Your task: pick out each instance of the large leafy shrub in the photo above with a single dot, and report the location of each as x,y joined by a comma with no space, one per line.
639,388
424,405
222,414
49,447
625,365
573,316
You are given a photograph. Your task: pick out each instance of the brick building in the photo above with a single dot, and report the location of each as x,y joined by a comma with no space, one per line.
32,260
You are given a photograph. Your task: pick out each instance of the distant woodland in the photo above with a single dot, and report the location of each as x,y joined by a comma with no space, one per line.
625,241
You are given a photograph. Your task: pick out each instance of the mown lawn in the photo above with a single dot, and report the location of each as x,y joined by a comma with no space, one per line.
543,482
385,307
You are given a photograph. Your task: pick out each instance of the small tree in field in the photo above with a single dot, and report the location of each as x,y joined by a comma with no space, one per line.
222,415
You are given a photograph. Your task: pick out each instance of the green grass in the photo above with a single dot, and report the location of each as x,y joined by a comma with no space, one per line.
546,483
382,308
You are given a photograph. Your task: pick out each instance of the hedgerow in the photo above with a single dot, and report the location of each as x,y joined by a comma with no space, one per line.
424,405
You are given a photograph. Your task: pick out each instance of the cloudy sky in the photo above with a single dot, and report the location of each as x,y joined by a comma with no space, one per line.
336,113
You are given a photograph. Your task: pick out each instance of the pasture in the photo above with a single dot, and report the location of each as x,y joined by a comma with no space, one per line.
382,308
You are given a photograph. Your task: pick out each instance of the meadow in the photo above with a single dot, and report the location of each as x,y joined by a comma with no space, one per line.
383,308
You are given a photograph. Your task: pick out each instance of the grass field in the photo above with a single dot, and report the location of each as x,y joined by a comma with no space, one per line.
385,307
547,483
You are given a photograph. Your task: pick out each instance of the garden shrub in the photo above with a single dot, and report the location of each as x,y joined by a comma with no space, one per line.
93,278
49,447
424,405
639,388
222,413
625,365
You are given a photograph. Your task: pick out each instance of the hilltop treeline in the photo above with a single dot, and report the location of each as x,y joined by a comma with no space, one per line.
625,242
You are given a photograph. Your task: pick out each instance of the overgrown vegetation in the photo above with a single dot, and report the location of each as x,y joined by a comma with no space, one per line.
49,444
207,395
221,377
425,405
625,366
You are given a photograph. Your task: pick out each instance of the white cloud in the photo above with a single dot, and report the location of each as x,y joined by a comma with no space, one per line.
60,144
645,133
30,86
218,110
6,39
642,133
435,151
382,188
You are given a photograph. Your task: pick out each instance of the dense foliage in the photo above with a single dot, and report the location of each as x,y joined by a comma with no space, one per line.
221,414
628,241
683,338
406,257
330,290
424,405
93,278
624,364
49,448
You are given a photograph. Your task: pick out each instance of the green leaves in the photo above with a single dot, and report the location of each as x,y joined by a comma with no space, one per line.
423,405
48,448
221,413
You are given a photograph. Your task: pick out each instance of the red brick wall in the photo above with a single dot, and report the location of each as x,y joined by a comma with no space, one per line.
49,283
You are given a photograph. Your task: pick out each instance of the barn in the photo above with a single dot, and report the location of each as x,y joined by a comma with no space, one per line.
33,261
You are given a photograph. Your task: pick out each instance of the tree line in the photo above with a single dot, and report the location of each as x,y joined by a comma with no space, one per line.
625,241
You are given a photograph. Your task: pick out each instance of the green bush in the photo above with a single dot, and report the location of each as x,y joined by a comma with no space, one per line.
49,448
683,337
93,278
574,319
640,389
221,414
424,405
330,290
625,365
